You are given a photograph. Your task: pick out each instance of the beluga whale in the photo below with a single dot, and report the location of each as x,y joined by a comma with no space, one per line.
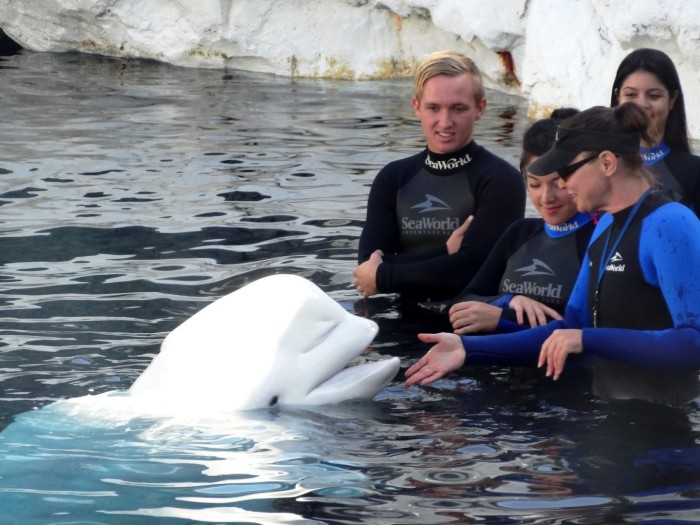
184,441
279,340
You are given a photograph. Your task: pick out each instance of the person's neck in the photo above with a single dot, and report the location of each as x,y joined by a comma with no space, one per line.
625,193
655,138
452,153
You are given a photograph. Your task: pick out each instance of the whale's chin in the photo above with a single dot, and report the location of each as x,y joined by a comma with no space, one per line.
354,381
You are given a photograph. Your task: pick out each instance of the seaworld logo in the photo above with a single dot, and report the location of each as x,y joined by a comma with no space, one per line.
449,164
531,289
616,263
537,267
431,203
564,227
429,224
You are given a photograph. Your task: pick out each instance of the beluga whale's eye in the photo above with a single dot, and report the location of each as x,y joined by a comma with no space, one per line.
273,401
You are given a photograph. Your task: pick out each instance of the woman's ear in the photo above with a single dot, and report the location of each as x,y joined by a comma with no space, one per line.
608,163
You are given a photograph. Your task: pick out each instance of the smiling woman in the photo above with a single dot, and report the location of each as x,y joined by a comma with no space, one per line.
529,274
649,78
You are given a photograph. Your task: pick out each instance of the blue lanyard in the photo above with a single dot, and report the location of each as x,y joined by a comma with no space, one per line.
607,254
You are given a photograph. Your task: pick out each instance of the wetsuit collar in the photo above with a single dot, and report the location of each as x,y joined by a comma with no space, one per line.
574,223
447,163
654,154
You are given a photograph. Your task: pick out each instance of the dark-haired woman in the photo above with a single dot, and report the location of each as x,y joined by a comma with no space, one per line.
530,272
649,78
635,308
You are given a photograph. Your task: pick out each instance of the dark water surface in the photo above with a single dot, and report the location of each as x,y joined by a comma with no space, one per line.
133,193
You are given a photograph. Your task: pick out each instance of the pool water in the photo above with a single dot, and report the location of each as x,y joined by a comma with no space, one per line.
134,193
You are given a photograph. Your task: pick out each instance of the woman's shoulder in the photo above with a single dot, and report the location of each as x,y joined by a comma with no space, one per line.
526,224
668,209
673,219
682,160
524,229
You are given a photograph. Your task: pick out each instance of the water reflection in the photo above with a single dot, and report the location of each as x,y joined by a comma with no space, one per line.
134,193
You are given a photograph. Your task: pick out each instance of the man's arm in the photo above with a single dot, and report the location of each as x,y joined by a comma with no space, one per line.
500,201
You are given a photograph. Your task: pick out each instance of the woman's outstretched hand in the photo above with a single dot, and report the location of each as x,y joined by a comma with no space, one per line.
447,355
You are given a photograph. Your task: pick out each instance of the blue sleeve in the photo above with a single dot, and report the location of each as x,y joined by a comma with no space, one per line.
669,254
502,301
514,349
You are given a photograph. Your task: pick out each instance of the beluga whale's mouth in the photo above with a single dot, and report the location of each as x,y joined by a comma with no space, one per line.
277,341
355,377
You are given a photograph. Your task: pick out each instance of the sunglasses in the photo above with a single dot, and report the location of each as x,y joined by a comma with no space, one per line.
567,171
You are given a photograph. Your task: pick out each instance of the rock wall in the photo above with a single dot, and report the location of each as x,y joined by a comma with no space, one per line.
552,52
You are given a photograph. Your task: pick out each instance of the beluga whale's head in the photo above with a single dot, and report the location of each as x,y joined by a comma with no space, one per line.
277,341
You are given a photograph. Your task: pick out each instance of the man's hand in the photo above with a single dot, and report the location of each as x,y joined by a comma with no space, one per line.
365,275
455,241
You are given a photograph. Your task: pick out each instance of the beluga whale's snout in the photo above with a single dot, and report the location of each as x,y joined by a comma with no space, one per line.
279,340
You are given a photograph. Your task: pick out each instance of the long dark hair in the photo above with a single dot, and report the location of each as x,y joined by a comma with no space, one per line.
540,136
661,66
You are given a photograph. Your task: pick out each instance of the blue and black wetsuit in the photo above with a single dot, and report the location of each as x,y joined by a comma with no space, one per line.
534,259
646,339
417,202
677,171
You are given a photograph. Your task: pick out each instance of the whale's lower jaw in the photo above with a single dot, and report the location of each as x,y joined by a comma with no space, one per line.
355,382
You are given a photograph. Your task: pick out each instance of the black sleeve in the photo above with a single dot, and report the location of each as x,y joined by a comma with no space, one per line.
686,169
380,230
500,200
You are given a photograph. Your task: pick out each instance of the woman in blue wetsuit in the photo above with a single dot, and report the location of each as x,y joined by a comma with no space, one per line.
649,78
530,272
635,307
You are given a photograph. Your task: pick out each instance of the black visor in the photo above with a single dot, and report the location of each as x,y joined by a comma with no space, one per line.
570,142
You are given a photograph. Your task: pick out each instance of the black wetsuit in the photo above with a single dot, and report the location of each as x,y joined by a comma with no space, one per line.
417,202
677,171
532,259
644,328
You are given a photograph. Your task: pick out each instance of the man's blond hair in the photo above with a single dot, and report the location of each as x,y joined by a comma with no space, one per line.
451,64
